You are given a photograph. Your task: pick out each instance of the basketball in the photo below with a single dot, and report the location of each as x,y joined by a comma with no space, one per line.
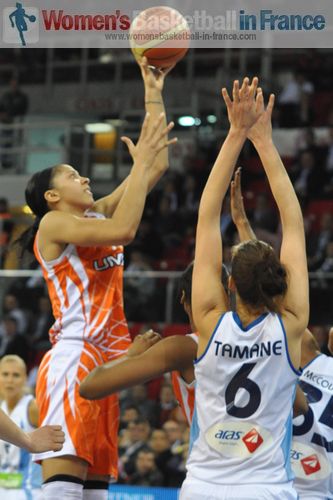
32,18
161,34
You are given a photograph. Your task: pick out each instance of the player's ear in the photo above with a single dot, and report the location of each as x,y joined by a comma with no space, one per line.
182,297
52,196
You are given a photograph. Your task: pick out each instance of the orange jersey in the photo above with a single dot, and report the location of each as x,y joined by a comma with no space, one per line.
184,392
85,285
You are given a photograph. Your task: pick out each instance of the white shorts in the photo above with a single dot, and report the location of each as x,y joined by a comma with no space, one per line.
15,494
193,489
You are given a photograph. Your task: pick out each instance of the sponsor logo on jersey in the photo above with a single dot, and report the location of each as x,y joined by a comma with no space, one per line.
295,455
308,463
233,435
252,440
238,439
109,262
311,464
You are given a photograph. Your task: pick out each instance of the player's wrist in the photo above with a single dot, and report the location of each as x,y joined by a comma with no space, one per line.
237,134
27,442
262,141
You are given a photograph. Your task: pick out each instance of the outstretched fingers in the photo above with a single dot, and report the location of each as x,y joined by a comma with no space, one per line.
129,144
235,91
227,99
159,140
260,105
270,104
253,87
245,90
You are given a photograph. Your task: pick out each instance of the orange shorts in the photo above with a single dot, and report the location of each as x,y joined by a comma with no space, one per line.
91,427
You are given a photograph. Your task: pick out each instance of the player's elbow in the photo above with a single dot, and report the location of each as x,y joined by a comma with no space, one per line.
129,236
87,388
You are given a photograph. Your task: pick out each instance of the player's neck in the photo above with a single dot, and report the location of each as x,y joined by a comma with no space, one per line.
246,314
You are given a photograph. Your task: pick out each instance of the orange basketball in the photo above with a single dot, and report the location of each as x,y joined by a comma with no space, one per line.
161,34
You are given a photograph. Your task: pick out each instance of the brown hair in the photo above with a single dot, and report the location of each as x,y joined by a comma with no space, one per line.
258,274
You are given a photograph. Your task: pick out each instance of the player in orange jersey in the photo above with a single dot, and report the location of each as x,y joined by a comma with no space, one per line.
78,243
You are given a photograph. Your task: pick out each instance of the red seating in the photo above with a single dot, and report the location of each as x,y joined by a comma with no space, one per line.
176,329
318,208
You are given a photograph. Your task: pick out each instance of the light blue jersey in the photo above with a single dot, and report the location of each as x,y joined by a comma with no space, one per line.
17,471
245,386
312,448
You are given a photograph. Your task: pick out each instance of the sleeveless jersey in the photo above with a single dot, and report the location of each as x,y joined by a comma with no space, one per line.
312,448
245,386
16,467
184,392
85,285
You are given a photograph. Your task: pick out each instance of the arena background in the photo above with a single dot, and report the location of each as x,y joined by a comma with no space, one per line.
71,106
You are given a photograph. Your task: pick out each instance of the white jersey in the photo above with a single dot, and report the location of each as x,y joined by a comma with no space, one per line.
312,448
16,467
245,386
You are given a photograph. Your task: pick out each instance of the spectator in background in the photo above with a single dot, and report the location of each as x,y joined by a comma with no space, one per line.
325,236
170,192
159,441
12,342
138,436
12,308
148,240
13,107
138,291
307,141
129,414
174,433
41,324
6,228
14,102
309,177
167,404
168,223
190,196
146,472
138,397
173,466
294,101
263,215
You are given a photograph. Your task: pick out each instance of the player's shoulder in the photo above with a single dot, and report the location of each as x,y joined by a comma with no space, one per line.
53,219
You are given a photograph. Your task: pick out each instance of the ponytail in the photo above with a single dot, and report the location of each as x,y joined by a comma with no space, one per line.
27,238
36,188
270,278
